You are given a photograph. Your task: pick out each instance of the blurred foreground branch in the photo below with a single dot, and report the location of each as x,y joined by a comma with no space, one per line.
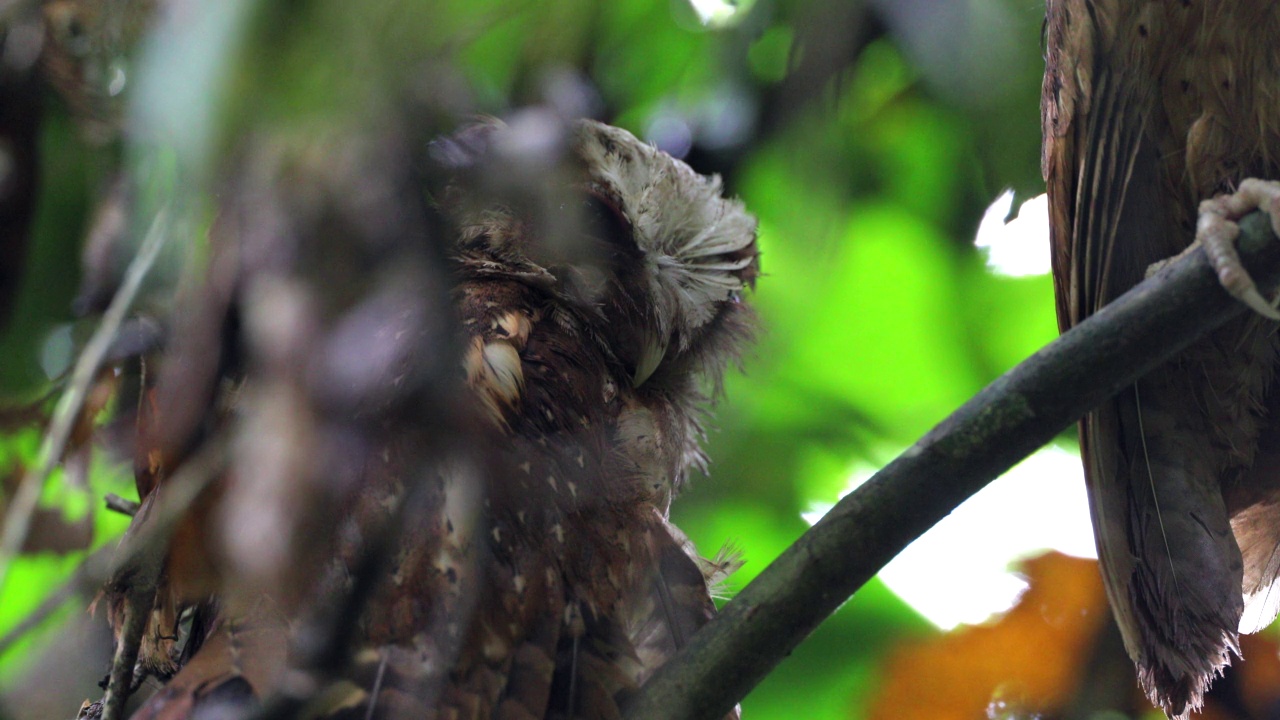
17,521
1019,412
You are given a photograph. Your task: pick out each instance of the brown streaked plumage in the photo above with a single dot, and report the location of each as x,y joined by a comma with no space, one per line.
549,584
1149,108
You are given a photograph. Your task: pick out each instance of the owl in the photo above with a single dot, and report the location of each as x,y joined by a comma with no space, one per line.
534,572
1158,119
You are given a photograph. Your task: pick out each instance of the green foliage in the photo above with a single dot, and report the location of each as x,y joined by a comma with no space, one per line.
52,271
36,577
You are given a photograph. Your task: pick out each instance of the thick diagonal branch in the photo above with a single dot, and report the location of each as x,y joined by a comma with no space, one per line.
1022,410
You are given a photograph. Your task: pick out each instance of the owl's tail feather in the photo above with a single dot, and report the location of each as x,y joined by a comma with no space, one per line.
1171,564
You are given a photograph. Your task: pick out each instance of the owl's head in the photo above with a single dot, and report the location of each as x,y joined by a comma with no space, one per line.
683,255
646,249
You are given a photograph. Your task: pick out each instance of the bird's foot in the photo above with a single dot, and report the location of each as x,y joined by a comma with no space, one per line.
1216,232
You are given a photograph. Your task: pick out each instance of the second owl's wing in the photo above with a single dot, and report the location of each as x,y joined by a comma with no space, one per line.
1170,565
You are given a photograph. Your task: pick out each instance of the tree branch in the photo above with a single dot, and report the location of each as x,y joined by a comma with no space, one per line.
1022,410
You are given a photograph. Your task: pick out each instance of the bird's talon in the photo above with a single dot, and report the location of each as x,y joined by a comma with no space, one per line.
1251,297
1216,232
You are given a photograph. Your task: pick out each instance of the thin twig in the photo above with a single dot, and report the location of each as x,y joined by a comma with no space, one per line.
1019,412
17,522
137,611
121,505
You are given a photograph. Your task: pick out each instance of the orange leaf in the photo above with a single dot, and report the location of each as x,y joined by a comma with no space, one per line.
1030,658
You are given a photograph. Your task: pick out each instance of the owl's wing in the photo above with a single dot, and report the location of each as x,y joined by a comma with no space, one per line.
1098,161
665,599
1171,567
674,601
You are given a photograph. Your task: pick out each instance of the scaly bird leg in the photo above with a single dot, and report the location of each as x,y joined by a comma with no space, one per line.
1216,232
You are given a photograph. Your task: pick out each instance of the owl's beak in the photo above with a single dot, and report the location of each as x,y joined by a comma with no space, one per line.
650,359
